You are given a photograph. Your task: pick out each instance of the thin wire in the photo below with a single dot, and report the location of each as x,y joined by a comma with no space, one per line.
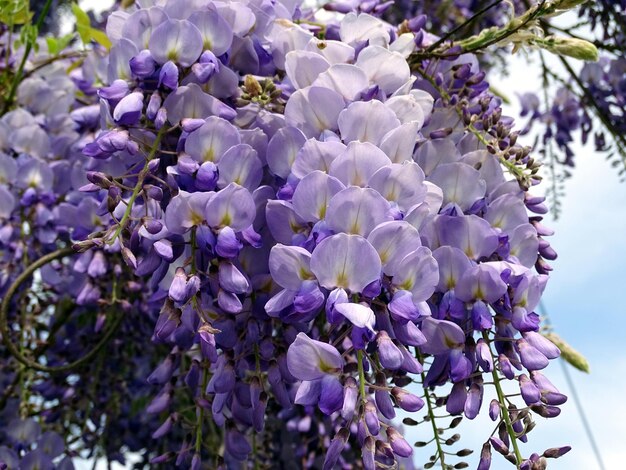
577,402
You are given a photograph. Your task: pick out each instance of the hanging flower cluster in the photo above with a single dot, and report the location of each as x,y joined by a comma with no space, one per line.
288,231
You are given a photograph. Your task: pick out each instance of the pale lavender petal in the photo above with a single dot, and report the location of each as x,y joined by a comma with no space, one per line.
312,195
400,183
308,359
304,67
233,206
282,150
211,141
399,143
389,70
346,79
356,210
346,261
481,282
314,110
217,35
506,213
417,272
442,336
176,40
359,315
393,241
452,264
316,155
283,221
358,163
461,184
366,121
240,165
290,266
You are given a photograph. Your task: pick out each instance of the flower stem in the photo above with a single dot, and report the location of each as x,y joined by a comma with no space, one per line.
140,179
431,415
359,354
504,410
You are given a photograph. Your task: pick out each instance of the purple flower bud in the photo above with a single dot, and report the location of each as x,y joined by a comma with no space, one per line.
402,308
164,428
483,355
183,288
367,453
542,344
228,245
159,459
530,392
163,372
384,403
142,65
407,401
556,452
160,118
154,104
161,402
390,356
546,411
371,418
168,75
500,446
485,457
474,400
350,396
128,110
335,448
456,399
399,445
196,462
258,413
494,409
506,367
114,92
229,301
530,356
237,445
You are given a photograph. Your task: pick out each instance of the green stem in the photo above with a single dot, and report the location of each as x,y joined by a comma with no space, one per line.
198,444
140,179
29,46
359,354
431,415
504,409
4,325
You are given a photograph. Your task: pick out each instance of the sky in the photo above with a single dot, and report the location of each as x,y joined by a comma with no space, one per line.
584,304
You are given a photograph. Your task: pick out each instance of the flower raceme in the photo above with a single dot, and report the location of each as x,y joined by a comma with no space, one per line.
304,223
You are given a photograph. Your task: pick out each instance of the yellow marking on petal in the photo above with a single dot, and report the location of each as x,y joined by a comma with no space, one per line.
406,285
342,280
327,368
196,218
209,155
226,219
172,55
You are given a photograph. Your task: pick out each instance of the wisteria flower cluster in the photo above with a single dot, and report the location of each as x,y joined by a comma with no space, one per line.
267,238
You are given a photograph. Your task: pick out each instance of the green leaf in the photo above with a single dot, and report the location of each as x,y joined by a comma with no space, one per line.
569,354
14,12
57,45
83,25
100,37
85,31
